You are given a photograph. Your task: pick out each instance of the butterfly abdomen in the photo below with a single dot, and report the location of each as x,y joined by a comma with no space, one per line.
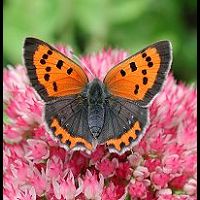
95,119
95,107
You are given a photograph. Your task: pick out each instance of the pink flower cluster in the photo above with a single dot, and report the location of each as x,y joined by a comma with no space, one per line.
162,166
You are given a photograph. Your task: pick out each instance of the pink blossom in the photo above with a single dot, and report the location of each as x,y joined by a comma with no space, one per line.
113,192
172,164
123,170
37,150
106,167
178,182
157,143
66,188
77,163
11,134
190,162
27,193
135,159
159,178
140,173
20,170
191,186
165,194
137,189
39,181
98,153
152,163
10,188
12,79
54,167
162,166
91,187
56,151
174,148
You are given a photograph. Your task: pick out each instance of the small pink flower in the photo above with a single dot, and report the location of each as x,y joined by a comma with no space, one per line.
157,144
123,170
178,182
39,181
174,148
113,192
56,151
106,167
190,162
152,163
77,163
54,167
91,187
15,151
27,193
66,50
98,153
140,173
11,134
66,188
10,188
191,186
137,189
12,79
135,159
38,150
171,164
159,179
20,170
165,194
41,133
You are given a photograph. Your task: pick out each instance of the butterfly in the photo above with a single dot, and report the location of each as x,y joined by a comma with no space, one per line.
83,114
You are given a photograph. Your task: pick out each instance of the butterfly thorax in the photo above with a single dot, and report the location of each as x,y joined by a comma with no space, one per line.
96,101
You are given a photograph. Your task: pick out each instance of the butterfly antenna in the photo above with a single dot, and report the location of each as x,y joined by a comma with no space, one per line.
82,63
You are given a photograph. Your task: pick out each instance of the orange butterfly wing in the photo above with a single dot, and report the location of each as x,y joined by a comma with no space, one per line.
59,81
140,77
50,72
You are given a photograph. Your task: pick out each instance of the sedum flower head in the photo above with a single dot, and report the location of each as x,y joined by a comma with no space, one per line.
162,166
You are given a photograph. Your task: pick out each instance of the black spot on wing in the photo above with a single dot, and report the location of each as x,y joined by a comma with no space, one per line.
133,66
123,73
69,71
46,77
59,64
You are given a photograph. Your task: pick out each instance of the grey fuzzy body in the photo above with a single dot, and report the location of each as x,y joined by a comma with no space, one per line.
96,111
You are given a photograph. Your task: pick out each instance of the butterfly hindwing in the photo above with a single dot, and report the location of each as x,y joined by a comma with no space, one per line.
51,73
124,124
140,77
65,117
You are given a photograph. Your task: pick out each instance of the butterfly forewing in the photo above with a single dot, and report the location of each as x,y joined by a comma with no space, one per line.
51,73
140,77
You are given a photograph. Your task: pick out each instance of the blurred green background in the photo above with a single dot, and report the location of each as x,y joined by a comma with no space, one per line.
90,25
